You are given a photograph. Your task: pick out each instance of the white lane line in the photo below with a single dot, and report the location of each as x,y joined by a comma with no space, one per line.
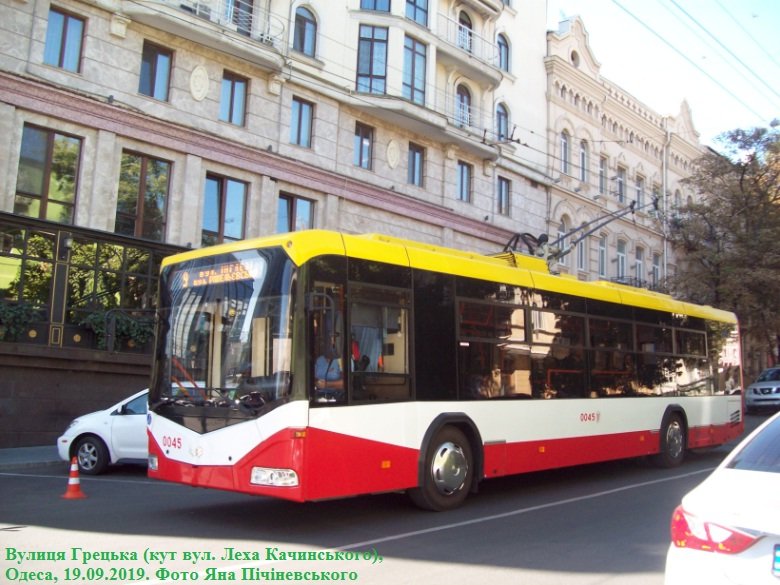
88,478
363,545
520,511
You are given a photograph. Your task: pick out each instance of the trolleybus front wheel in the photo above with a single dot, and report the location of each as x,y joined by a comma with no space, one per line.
673,442
447,472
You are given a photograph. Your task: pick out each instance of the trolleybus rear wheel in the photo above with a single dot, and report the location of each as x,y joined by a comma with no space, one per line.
673,442
447,472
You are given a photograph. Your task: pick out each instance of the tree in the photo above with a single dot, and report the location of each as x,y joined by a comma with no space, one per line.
730,236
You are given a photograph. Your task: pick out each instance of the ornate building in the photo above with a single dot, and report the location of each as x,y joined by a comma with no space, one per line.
134,128
606,151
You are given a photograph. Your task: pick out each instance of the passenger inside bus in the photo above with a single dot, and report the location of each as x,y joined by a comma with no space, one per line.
329,379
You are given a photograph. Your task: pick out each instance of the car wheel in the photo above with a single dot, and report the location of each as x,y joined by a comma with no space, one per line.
92,455
448,471
673,443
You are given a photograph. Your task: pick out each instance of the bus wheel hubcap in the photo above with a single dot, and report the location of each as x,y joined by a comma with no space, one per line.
674,439
449,468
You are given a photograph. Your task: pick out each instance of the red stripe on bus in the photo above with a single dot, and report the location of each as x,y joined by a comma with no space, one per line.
512,458
346,466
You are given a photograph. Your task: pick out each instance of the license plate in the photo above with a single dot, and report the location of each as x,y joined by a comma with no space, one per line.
776,562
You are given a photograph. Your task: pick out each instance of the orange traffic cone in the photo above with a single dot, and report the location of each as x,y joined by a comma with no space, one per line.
74,485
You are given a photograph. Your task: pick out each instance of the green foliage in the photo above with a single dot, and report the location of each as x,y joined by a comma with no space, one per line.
730,235
139,330
15,318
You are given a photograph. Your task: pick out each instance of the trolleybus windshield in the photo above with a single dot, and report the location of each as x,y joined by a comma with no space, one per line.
223,352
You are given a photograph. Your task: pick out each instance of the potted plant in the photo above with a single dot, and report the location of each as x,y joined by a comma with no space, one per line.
114,328
15,319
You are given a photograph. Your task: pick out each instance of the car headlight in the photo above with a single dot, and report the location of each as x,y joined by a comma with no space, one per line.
73,423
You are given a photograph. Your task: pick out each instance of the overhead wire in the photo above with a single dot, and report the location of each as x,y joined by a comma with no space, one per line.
688,60
541,149
750,36
746,67
349,82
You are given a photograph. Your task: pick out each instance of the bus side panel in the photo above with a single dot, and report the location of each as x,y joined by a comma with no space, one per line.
543,454
713,435
537,435
524,457
338,465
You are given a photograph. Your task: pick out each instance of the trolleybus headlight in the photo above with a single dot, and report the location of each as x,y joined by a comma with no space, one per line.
153,462
274,477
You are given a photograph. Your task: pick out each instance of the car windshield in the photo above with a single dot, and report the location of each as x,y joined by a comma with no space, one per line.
762,453
771,375
224,336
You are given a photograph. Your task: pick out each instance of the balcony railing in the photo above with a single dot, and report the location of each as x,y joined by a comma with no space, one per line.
640,283
469,42
241,16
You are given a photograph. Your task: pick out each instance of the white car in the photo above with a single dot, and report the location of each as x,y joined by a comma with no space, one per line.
108,436
764,392
727,530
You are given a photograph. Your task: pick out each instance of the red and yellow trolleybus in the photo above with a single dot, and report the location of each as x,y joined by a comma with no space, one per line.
316,365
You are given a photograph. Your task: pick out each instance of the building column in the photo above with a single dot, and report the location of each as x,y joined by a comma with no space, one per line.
264,210
9,155
101,210
187,197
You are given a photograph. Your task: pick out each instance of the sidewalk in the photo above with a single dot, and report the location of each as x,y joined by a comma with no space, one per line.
21,457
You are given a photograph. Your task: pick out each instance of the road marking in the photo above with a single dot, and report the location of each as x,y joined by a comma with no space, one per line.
519,511
361,546
88,478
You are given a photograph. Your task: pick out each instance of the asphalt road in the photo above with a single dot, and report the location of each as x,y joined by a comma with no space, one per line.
604,523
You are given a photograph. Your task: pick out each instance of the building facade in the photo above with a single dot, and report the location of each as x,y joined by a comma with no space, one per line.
135,128
607,150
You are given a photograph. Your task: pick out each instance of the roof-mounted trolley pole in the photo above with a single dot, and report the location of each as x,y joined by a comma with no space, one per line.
552,252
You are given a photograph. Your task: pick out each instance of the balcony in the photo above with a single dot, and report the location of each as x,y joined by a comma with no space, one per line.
236,27
463,49
637,282
441,118
487,8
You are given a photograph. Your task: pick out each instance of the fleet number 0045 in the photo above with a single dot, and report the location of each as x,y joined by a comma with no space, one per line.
173,442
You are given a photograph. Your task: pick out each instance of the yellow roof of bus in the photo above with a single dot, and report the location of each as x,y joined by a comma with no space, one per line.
515,269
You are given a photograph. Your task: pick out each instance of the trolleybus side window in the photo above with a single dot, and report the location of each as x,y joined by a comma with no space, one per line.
559,360
494,357
325,305
434,327
379,343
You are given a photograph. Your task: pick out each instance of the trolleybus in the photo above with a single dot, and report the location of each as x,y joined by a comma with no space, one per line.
316,365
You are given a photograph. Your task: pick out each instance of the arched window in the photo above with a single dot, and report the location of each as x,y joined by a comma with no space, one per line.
503,53
463,106
655,274
502,122
562,243
603,256
464,32
565,152
621,259
582,255
639,266
305,34
584,161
